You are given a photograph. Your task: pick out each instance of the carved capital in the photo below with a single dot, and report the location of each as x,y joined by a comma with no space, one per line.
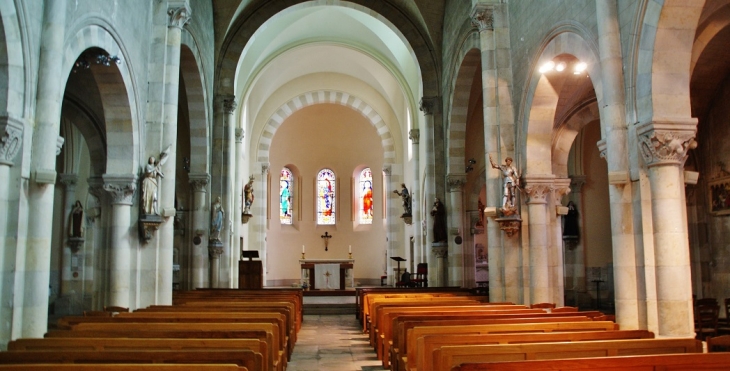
561,188
427,105
441,252
414,135
666,143
239,135
577,182
602,148
227,103
11,138
178,16
456,182
199,182
96,187
265,169
215,250
386,170
121,188
538,188
59,144
69,180
483,17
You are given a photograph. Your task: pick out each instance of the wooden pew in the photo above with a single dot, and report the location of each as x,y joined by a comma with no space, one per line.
425,345
370,321
447,357
241,357
361,292
295,295
665,362
412,335
122,367
373,298
127,344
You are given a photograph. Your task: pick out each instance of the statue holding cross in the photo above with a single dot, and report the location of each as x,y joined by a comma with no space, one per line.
326,237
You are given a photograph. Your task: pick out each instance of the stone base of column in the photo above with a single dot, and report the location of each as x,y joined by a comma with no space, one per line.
441,250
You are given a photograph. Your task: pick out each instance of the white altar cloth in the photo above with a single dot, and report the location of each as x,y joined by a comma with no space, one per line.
327,276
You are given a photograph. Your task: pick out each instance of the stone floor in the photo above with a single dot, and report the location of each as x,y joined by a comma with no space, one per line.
333,343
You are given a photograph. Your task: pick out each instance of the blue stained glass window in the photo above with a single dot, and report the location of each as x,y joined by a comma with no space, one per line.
326,197
366,196
286,190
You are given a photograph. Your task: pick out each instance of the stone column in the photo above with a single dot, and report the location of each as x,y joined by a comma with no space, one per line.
538,188
441,252
94,257
414,135
390,232
33,268
121,189
427,106
200,227
578,251
556,252
238,209
215,252
664,147
456,184
222,169
620,193
69,182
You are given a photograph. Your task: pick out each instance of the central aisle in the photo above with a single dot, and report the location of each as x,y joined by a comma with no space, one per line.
333,343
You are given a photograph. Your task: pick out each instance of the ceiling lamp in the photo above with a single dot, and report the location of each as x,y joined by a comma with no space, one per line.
560,67
579,67
547,66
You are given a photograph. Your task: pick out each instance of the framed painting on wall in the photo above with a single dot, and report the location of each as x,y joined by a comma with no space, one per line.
719,194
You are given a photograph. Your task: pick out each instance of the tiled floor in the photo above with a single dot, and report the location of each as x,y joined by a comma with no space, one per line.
333,343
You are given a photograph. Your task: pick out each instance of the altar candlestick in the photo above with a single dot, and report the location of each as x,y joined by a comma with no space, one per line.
302,249
349,249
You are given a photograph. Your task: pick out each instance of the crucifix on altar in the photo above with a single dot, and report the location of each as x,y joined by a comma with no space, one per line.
326,237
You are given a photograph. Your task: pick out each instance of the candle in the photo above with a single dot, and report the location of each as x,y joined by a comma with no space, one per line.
302,249
349,249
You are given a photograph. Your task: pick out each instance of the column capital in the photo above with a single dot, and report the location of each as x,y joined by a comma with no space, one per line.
577,182
666,143
482,16
561,187
120,187
11,138
59,144
179,15
227,103
68,179
96,186
215,251
414,135
456,182
240,133
602,148
199,181
386,170
265,168
427,105
538,187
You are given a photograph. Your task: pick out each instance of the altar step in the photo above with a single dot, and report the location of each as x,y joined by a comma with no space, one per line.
335,303
329,309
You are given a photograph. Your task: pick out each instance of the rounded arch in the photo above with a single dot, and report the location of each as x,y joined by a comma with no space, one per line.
91,128
469,62
119,98
319,97
541,98
192,72
251,19
668,34
11,61
580,116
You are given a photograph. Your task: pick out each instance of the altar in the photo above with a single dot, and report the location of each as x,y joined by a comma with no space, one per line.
320,274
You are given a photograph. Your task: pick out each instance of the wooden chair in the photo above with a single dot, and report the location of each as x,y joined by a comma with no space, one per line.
542,305
723,324
706,318
421,275
718,344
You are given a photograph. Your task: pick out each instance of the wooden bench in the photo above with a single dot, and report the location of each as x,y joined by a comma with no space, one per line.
447,357
362,292
411,338
425,345
117,344
368,300
370,321
664,362
241,357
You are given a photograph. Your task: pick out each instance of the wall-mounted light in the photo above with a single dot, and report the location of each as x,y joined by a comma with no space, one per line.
577,67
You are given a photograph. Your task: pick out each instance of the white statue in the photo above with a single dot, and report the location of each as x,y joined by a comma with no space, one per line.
511,182
216,219
152,170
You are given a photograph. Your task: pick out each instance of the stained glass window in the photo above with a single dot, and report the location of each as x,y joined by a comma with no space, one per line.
326,197
286,188
366,196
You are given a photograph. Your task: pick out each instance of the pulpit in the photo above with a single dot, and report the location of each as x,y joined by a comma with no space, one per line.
250,272
346,277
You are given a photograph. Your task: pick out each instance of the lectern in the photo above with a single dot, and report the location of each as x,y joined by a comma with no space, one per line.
250,272
398,259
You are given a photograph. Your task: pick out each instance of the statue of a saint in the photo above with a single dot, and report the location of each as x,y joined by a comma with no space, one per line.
438,212
152,170
216,219
248,196
406,196
75,221
511,183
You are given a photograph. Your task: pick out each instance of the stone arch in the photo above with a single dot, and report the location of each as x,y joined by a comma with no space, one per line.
541,99
12,61
470,62
319,97
668,34
191,70
581,115
118,92
251,19
91,128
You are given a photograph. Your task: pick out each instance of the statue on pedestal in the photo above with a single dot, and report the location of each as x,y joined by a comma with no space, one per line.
511,184
152,170
216,219
75,221
248,196
406,196
438,212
